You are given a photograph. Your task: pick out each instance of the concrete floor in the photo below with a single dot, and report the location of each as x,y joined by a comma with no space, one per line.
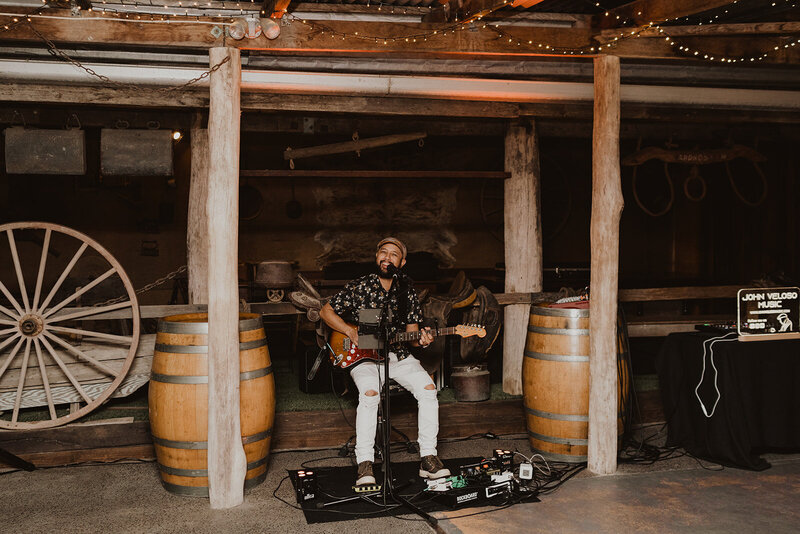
672,496
683,499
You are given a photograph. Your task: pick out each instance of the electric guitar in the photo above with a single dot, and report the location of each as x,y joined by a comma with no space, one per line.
345,356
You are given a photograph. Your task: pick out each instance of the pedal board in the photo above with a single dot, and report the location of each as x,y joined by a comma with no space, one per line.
461,496
367,488
455,498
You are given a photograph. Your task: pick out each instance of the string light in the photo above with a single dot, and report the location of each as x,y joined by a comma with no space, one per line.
656,26
466,21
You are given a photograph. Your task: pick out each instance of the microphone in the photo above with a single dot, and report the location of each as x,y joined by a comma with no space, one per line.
391,269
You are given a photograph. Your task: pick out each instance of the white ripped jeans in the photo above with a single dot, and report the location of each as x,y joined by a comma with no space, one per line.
409,373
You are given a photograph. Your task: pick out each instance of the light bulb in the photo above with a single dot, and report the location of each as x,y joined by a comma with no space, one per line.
270,28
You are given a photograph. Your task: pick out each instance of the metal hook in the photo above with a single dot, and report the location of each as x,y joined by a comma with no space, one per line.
73,116
21,118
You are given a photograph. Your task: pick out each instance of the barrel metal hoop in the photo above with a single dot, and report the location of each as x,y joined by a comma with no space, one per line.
174,327
180,444
556,357
256,437
557,416
255,481
203,349
179,379
559,331
182,472
182,349
556,457
250,324
560,441
202,491
257,463
559,312
203,472
203,379
190,491
204,444
254,344
257,373
177,327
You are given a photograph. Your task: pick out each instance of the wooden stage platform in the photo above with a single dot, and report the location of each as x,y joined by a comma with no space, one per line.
118,440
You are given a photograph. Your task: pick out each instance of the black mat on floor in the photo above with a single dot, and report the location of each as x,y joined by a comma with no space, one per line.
337,482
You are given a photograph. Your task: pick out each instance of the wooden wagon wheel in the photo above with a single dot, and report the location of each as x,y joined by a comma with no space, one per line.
41,320
275,295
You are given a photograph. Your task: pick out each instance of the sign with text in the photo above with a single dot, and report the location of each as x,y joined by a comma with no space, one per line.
769,313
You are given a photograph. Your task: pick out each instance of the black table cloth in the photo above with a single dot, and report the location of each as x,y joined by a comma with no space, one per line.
759,402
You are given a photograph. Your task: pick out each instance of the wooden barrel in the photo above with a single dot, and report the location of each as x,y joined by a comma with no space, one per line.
555,374
179,401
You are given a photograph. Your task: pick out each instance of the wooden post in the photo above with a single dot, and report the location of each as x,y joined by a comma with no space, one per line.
604,235
227,465
197,224
523,244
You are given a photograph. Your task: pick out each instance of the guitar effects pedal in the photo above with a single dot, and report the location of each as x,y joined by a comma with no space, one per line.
305,484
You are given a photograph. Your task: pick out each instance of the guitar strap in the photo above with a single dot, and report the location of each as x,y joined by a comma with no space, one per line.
402,298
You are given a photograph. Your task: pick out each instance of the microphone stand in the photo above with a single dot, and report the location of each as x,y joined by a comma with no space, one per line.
389,492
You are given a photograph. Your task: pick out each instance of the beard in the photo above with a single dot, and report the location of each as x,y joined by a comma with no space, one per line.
381,273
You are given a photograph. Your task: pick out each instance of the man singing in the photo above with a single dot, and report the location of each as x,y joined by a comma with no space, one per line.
373,291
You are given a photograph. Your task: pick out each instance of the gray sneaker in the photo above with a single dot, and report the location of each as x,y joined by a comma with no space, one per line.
365,474
432,467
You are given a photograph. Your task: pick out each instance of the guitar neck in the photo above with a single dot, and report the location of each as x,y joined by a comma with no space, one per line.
413,336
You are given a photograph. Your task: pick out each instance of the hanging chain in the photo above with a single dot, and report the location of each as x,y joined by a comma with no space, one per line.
171,276
58,53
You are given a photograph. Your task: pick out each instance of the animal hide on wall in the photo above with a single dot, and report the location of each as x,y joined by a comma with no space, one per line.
356,215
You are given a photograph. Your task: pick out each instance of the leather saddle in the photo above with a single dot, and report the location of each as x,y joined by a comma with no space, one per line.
485,312
436,310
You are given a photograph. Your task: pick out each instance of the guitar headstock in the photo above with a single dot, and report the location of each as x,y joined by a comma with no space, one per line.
469,330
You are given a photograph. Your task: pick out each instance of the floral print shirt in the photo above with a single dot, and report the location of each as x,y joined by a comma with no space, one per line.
368,293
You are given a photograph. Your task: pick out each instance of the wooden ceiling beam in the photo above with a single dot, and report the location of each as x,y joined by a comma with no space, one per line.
643,12
473,43
728,47
275,9
297,36
98,95
197,98
711,30
470,10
